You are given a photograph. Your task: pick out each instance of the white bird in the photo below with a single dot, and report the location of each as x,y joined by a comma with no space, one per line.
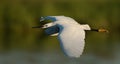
71,34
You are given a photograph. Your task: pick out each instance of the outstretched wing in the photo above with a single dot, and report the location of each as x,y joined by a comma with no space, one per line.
53,30
72,41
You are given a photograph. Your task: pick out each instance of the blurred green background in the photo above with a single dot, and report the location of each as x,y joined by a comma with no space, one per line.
17,17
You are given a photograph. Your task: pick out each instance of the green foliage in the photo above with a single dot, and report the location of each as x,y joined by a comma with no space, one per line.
18,16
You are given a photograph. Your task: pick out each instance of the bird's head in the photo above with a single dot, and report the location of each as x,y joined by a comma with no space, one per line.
46,22
51,18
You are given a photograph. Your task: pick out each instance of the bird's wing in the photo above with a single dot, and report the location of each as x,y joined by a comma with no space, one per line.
53,30
72,41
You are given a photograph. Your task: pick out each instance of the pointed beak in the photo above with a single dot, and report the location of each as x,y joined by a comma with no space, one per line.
37,27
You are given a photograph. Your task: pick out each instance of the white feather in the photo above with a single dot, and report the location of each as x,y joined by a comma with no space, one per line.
70,34
72,41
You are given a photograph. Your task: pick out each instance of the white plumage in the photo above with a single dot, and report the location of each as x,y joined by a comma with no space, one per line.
70,34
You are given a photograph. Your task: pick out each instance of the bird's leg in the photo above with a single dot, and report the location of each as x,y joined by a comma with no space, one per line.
100,30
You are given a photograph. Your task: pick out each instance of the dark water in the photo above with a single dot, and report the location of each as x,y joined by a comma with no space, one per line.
55,57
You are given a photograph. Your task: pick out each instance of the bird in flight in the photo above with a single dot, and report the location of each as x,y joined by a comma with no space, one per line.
70,33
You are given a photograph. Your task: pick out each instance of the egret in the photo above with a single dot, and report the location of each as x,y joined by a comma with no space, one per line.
70,33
